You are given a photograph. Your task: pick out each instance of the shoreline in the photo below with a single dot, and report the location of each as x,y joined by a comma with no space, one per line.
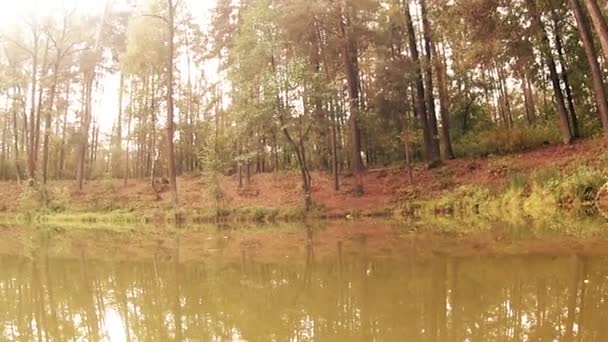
550,181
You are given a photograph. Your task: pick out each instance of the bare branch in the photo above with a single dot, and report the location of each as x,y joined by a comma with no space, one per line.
157,17
16,43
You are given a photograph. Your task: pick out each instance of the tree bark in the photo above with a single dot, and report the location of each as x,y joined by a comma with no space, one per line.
548,56
504,91
89,78
444,107
48,120
128,147
170,109
429,151
117,152
599,23
528,98
31,162
40,98
64,131
16,135
566,79
596,72
428,79
85,126
352,78
334,147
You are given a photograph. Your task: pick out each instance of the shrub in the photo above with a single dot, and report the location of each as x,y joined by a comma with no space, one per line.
581,185
33,197
500,140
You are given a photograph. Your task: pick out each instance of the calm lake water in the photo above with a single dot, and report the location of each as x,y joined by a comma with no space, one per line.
59,289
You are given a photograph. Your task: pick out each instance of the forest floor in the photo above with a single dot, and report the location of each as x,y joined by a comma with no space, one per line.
384,188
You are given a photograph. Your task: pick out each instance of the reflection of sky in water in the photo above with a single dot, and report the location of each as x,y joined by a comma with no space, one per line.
114,326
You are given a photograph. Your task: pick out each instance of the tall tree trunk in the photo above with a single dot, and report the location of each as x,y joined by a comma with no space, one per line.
89,78
40,98
31,161
352,78
428,79
64,131
430,155
85,126
334,147
528,98
548,56
117,150
128,147
320,116
566,79
170,128
48,121
16,135
444,106
599,22
596,72
5,148
504,89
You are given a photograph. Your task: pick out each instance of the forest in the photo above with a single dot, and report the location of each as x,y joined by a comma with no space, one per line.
303,170
336,87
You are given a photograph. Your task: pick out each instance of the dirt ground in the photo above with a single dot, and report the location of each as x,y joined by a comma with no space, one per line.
383,187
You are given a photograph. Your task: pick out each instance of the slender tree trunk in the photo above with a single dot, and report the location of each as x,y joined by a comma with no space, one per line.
240,165
169,128
504,89
16,136
429,151
64,131
31,162
566,79
528,101
48,121
334,147
428,79
128,147
444,107
548,56
117,152
89,78
533,106
596,72
85,126
40,98
599,22
352,78
408,153
4,149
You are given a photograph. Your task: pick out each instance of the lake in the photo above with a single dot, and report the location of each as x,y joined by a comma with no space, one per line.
340,281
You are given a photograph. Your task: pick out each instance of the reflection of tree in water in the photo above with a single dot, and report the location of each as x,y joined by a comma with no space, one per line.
345,297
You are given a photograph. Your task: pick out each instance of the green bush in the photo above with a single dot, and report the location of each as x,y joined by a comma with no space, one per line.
37,197
33,197
500,140
581,185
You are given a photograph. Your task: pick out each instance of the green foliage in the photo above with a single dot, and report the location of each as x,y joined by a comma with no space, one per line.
500,140
33,198
40,198
578,187
537,195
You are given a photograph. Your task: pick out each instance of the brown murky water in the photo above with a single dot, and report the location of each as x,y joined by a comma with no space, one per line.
321,292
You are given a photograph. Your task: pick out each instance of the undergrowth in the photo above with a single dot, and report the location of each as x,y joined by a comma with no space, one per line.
536,195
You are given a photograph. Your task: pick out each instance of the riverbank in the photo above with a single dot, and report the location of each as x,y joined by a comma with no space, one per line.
534,183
